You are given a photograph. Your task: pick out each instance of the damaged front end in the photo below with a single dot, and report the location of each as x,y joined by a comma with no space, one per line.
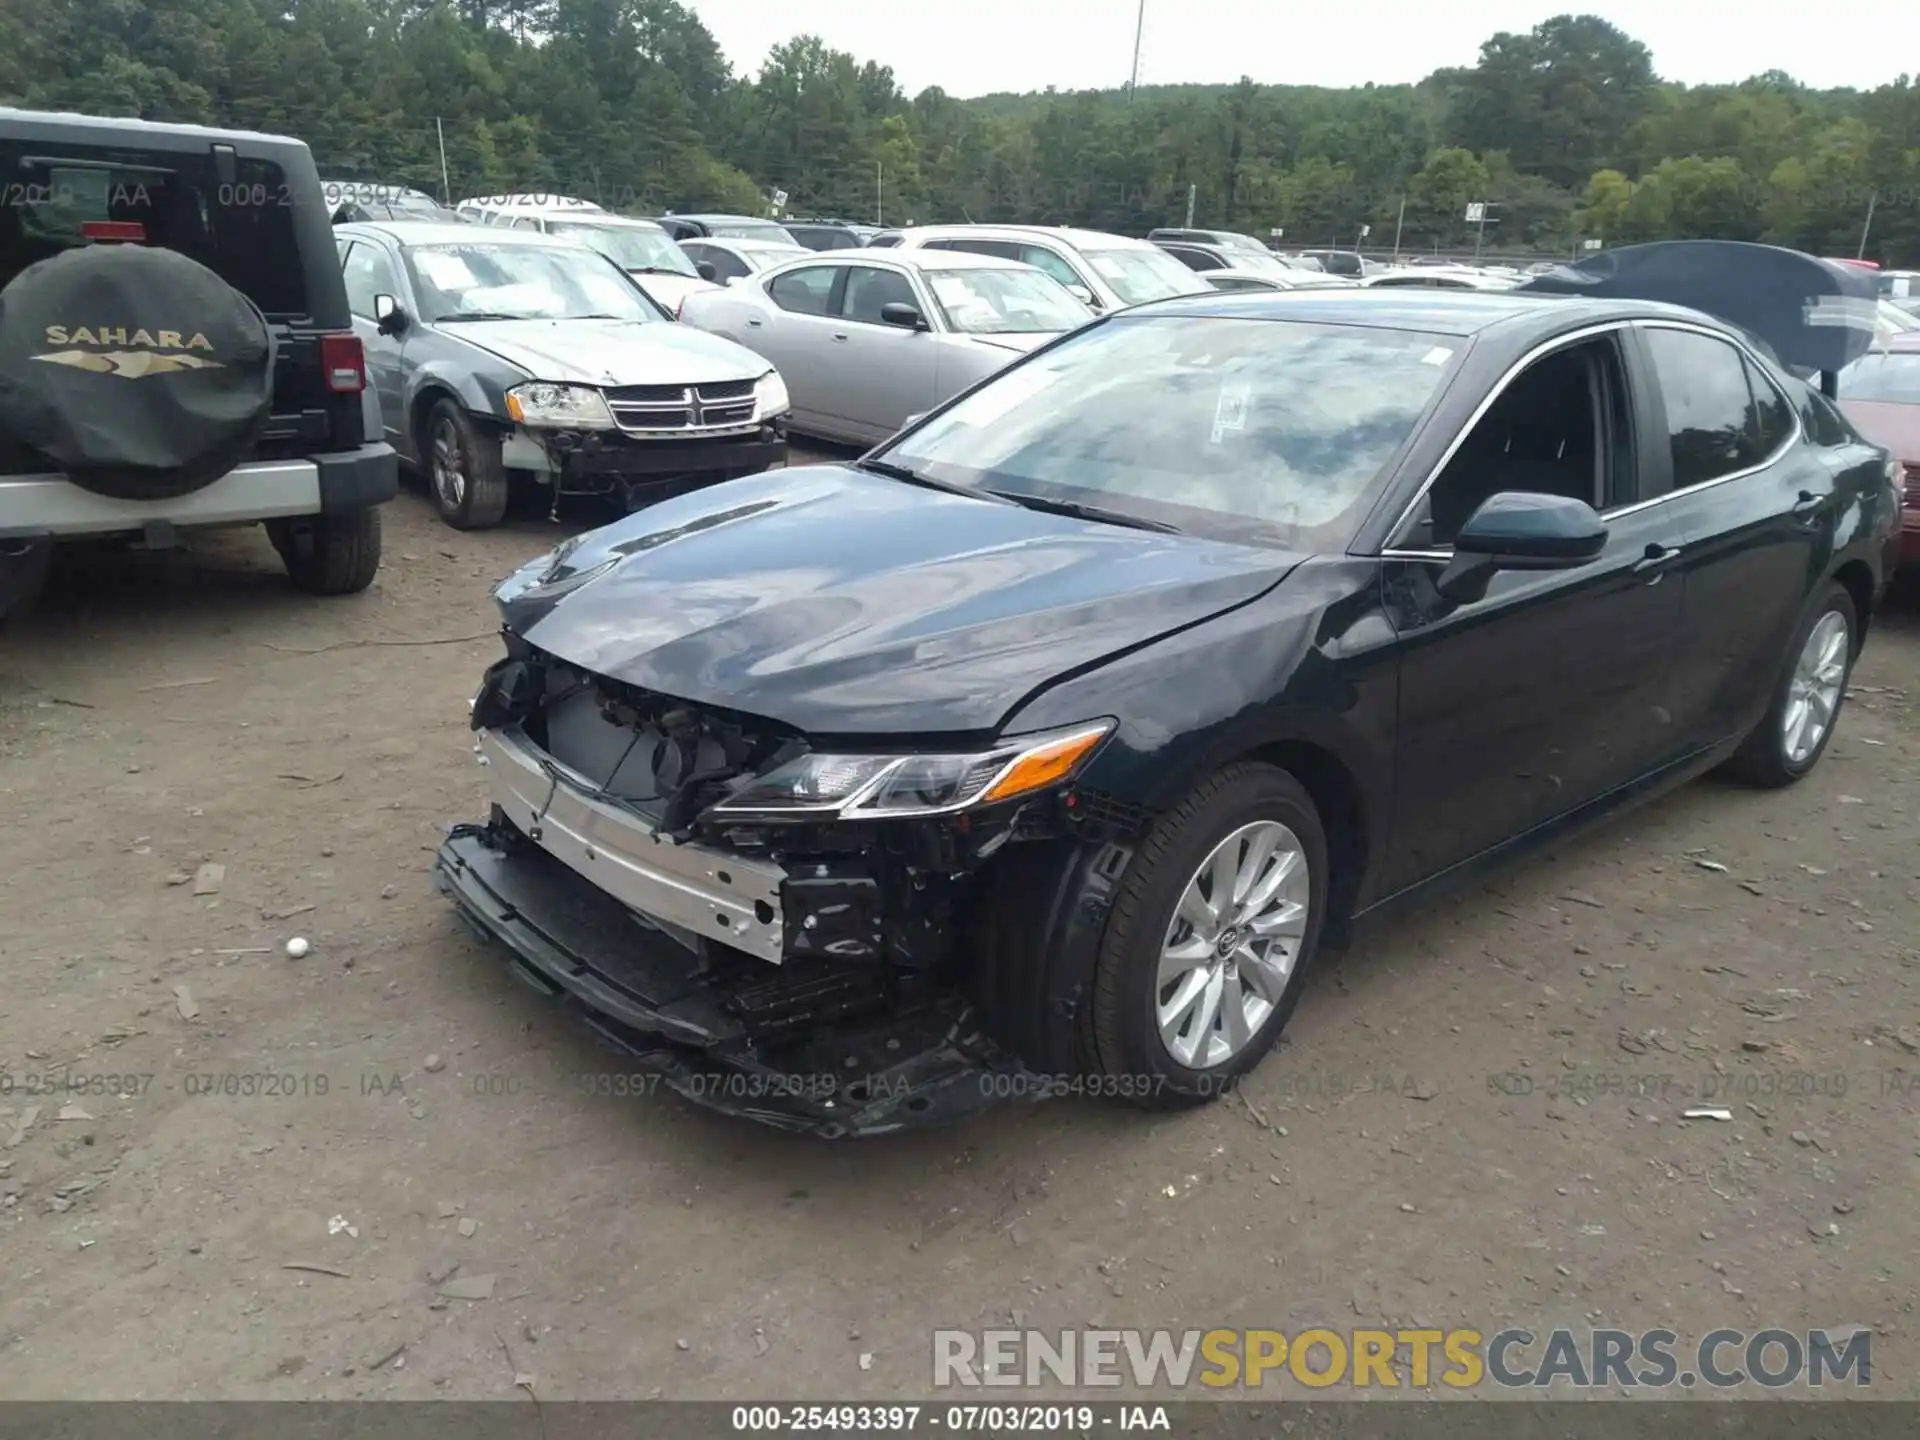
777,927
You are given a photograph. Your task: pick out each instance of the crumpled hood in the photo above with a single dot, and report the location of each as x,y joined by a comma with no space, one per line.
845,603
612,352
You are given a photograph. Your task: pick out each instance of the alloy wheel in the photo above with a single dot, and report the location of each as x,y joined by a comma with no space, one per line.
1813,694
449,465
1232,944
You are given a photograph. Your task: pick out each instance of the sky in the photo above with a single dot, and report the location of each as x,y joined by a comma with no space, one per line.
977,47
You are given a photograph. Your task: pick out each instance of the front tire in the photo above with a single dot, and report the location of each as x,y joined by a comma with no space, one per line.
1209,940
464,470
1806,705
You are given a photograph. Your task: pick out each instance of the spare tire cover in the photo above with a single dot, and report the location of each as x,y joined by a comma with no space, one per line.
139,372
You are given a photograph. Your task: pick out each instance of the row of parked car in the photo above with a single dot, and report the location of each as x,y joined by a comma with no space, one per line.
845,338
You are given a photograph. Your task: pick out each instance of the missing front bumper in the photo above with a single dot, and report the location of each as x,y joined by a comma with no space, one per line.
840,1062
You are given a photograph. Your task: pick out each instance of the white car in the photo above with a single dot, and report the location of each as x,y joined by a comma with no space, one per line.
1106,272
639,247
865,340
734,259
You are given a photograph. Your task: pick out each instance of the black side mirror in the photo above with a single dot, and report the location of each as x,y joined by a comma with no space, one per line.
896,312
705,270
388,315
1521,530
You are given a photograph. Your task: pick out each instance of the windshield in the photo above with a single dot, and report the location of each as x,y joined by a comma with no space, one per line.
1005,302
751,230
631,247
1255,431
1888,378
521,282
1261,262
1148,273
762,257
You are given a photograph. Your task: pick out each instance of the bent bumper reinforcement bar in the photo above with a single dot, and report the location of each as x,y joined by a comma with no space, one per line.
732,899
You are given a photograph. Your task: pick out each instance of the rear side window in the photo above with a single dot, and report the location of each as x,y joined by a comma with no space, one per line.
805,292
1772,416
243,231
1711,426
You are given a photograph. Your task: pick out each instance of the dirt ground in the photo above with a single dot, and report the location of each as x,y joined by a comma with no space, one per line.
165,713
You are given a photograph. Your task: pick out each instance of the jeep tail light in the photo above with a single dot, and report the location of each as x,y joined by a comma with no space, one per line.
130,232
345,362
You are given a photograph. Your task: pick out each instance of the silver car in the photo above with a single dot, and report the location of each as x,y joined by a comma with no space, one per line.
866,339
1108,272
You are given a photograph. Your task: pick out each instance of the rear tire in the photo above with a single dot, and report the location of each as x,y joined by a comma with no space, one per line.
1782,748
330,554
1135,1032
464,472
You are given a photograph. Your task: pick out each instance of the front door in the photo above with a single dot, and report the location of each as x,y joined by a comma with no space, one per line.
794,333
370,271
1555,687
880,373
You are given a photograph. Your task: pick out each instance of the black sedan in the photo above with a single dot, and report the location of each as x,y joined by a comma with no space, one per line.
1041,749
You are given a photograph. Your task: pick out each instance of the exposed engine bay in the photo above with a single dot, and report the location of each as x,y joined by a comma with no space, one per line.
750,907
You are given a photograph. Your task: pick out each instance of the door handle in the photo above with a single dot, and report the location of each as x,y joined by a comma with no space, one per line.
1656,559
838,338
1810,507
755,324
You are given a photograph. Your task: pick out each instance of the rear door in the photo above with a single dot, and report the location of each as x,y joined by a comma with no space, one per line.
1758,507
795,331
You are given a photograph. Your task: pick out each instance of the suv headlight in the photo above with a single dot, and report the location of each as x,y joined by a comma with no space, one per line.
770,398
559,407
877,787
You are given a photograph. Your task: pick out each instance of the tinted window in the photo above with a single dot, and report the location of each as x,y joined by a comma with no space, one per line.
1245,430
1711,424
999,249
368,273
1194,259
881,242
243,231
1773,417
726,265
1825,425
804,291
869,288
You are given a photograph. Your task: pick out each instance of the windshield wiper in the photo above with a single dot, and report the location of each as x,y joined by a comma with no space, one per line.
1078,511
914,477
659,270
482,315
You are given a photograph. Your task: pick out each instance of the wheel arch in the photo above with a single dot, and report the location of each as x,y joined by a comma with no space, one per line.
1856,578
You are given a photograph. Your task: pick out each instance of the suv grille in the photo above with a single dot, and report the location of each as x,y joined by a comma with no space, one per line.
719,405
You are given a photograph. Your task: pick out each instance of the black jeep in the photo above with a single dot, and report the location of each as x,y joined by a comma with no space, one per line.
176,350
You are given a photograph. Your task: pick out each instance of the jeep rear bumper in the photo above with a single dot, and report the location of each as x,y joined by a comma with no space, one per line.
52,505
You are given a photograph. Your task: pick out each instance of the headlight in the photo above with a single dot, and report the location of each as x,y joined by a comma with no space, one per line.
559,407
770,397
856,787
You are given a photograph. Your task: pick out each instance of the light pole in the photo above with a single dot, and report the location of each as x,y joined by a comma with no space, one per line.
1139,25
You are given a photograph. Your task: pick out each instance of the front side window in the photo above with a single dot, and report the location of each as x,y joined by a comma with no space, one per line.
500,280
1256,431
368,272
1713,428
870,288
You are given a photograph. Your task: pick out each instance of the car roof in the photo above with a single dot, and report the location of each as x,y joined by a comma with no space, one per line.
745,243
1463,313
126,124
607,217
705,215
440,232
1067,234
915,259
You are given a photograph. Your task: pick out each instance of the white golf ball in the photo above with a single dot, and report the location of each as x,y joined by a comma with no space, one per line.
297,948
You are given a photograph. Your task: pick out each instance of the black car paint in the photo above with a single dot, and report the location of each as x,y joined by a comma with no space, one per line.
843,603
1436,737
